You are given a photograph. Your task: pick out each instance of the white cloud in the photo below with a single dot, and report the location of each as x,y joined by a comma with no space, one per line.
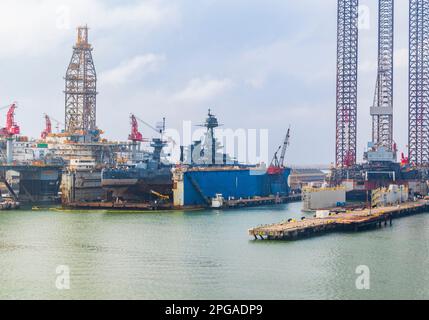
368,66
201,89
149,13
286,57
131,68
256,82
32,27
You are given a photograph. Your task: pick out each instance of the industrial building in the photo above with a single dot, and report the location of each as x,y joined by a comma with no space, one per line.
302,177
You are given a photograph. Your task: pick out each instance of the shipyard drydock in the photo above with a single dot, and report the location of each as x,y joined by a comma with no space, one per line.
78,167
216,186
199,181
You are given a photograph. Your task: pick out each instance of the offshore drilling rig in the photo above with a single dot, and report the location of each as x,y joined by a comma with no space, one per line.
380,166
74,154
81,92
81,137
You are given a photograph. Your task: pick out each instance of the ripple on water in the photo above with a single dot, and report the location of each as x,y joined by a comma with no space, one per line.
205,255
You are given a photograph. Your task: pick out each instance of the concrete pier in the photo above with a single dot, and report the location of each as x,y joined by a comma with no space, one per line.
353,220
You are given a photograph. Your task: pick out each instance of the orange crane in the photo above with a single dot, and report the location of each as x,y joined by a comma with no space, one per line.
48,127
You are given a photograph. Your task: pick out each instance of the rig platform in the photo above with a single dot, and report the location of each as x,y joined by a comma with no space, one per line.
349,221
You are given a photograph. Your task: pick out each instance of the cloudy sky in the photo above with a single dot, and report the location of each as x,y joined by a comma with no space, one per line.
259,64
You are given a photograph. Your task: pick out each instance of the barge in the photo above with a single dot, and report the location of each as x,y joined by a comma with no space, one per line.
349,221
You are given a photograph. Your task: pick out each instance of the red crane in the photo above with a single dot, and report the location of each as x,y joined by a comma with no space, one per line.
404,160
135,135
48,127
11,128
277,165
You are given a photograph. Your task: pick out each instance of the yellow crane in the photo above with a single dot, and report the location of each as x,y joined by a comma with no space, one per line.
159,195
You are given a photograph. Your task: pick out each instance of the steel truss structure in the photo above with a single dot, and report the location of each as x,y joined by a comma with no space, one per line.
347,69
81,88
418,134
382,110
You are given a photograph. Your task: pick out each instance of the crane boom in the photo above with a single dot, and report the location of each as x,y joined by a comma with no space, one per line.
277,166
284,149
159,131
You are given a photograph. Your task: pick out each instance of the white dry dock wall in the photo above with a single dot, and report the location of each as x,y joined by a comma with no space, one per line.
323,198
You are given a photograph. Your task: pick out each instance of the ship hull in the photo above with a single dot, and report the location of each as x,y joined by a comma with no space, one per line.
138,184
106,183
81,186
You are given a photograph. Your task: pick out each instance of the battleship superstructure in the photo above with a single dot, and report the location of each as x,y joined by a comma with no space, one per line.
141,180
206,181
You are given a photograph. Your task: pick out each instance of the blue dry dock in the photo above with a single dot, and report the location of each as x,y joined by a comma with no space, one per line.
239,185
354,220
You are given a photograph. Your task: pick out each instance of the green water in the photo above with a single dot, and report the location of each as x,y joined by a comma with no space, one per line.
204,255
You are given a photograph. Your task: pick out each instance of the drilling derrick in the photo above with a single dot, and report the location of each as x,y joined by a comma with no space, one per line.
418,134
382,110
81,90
347,64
